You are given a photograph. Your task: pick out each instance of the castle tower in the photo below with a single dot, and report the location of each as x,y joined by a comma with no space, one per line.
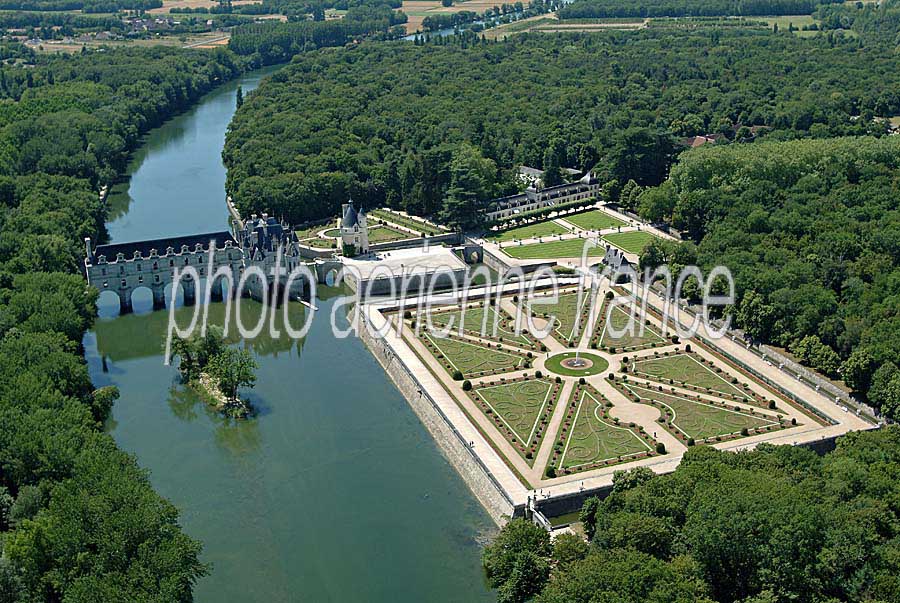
354,231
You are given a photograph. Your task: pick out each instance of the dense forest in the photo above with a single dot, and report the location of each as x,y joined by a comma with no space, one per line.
385,122
593,9
811,231
79,520
773,525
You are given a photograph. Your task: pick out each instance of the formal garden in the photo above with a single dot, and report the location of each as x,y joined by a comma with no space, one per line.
642,336
590,438
689,369
576,364
694,419
464,358
521,409
485,321
570,313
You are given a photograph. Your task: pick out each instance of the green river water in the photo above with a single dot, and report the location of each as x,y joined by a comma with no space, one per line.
335,491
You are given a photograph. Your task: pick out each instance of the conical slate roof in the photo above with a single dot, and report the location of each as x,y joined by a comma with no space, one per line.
351,218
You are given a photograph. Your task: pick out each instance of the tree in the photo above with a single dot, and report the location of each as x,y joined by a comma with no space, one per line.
517,538
471,180
626,480
197,351
529,574
858,368
239,99
567,549
812,352
552,163
755,316
656,204
588,516
885,390
233,368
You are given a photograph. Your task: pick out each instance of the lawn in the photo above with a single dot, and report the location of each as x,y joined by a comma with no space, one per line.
684,368
565,312
482,321
529,231
618,319
383,233
568,248
598,365
632,241
698,420
595,438
519,405
405,221
594,220
472,359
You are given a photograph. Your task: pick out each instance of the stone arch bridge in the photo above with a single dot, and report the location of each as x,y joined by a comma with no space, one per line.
219,258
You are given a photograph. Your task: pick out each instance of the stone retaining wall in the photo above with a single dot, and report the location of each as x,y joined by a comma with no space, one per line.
477,478
451,238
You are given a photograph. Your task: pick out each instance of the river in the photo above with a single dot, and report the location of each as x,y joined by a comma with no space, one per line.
335,491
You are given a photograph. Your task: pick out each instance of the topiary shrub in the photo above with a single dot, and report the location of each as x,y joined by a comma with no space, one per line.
466,385
690,441
457,376
538,374
559,379
551,472
660,448
581,381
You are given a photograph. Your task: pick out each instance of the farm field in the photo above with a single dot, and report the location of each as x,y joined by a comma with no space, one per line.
595,438
683,368
417,10
568,248
478,319
519,405
594,220
701,421
632,241
529,231
644,335
472,359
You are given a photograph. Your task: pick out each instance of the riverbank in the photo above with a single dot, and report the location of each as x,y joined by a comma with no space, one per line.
335,456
